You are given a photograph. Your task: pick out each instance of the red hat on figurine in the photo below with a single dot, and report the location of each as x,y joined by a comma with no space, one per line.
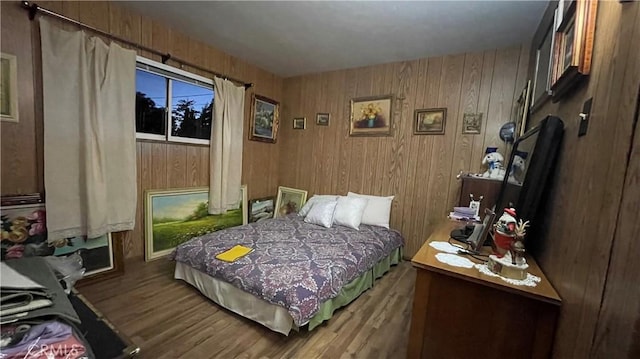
511,211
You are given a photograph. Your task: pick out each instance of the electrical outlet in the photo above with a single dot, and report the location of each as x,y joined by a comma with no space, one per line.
584,117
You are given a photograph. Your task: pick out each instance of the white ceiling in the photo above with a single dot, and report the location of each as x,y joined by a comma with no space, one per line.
291,38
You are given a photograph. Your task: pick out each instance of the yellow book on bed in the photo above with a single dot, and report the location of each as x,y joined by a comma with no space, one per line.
234,253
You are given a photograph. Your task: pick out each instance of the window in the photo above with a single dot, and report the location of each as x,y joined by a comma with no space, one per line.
172,104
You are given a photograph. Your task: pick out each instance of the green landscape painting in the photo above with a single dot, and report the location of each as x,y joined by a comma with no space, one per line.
174,217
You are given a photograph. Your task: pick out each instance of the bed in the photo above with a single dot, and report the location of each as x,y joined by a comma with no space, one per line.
297,274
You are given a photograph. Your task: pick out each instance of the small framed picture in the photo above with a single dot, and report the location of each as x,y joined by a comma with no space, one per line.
430,121
322,119
299,123
471,123
261,209
289,200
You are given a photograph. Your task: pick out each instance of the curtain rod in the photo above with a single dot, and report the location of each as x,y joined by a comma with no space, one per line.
33,9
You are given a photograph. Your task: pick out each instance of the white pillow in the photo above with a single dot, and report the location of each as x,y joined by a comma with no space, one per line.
322,213
349,211
313,200
377,211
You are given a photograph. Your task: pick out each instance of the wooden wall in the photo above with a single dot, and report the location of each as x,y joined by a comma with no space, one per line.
420,170
160,164
20,161
590,248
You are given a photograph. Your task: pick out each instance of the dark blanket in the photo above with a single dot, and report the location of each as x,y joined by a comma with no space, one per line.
294,264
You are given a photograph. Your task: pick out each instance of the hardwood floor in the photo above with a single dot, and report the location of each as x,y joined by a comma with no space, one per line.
168,318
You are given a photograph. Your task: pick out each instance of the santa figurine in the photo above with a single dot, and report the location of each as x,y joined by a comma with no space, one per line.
505,232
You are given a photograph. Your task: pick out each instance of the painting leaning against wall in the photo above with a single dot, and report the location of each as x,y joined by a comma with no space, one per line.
24,234
174,216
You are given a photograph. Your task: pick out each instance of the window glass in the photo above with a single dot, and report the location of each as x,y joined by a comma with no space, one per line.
151,101
191,110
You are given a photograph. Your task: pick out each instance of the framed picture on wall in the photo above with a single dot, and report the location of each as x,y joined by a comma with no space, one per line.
8,88
371,116
472,123
522,110
174,216
542,73
573,46
299,123
264,119
430,121
322,119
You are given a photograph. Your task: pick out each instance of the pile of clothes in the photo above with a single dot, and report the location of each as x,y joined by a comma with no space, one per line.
38,320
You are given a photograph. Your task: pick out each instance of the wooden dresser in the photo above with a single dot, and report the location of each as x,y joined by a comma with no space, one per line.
461,313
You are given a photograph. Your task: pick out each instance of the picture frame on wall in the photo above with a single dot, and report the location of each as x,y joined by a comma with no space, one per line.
261,209
299,123
289,200
573,47
472,123
322,119
264,119
542,72
430,121
24,234
522,109
8,87
174,216
371,116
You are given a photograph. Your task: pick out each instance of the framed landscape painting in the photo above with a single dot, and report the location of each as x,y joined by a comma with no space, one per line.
430,121
264,119
174,216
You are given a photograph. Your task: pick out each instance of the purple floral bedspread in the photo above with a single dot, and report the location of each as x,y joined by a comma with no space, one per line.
294,264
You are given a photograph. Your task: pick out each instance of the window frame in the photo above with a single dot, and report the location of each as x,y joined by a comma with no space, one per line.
167,110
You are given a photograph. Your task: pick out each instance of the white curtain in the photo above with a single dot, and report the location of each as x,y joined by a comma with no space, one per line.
226,147
89,134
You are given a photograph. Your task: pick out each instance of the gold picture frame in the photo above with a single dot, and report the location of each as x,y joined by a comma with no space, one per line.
8,87
264,119
174,216
522,109
322,119
430,121
289,200
371,116
299,123
573,47
472,123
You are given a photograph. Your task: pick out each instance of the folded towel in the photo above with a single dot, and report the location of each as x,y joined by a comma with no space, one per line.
234,253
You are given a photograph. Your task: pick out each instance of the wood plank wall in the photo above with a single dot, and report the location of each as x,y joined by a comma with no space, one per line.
420,170
20,163
590,246
160,164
